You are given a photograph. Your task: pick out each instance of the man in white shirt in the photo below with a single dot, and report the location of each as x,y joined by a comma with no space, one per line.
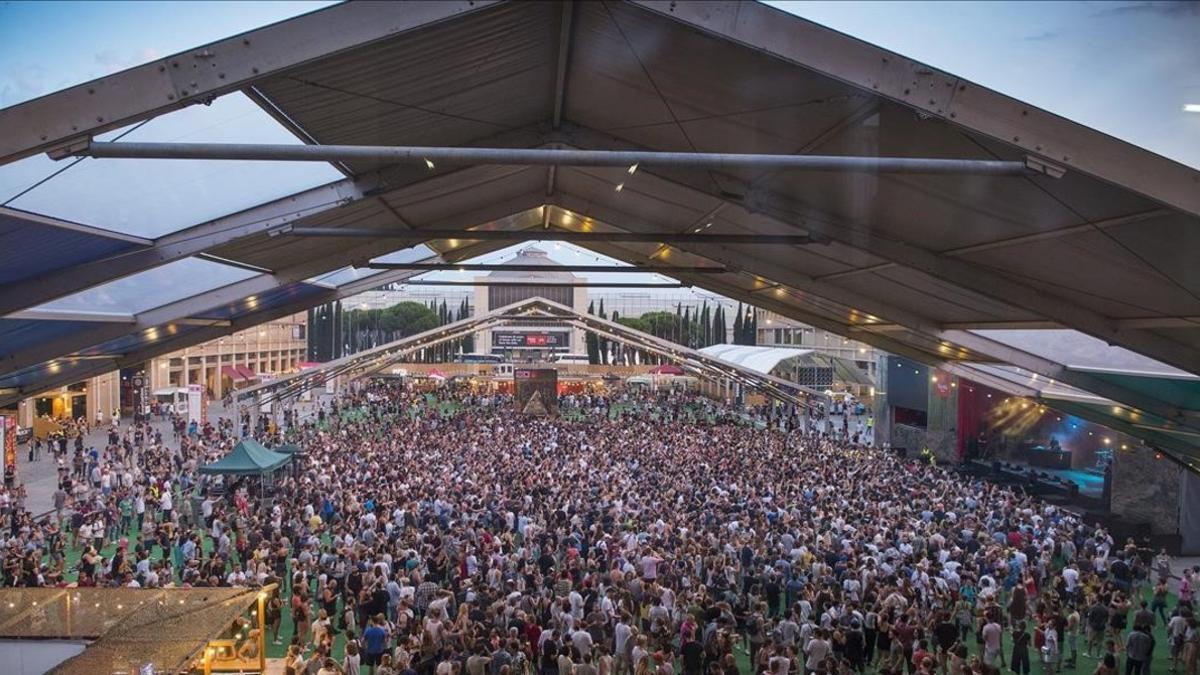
816,651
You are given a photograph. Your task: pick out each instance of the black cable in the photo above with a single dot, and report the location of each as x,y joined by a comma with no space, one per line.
60,171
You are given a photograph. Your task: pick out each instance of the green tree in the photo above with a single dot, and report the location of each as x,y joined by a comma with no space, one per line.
718,327
591,339
601,343
739,333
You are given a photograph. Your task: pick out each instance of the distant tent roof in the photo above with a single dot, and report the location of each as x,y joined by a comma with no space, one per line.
760,359
766,359
248,458
667,369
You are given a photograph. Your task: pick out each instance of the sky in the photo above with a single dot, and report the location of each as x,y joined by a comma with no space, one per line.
1125,68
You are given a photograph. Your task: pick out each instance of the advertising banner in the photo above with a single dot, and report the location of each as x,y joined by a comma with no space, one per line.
196,404
550,339
536,391
8,438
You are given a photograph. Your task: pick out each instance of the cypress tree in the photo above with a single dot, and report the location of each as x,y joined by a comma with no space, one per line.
601,343
593,345
738,332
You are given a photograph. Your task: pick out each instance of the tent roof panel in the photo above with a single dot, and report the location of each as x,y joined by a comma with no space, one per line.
20,334
248,457
276,297
759,359
150,198
32,245
486,72
153,287
1077,350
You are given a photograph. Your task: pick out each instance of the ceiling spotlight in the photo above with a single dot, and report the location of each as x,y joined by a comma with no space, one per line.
428,164
632,168
620,186
1191,107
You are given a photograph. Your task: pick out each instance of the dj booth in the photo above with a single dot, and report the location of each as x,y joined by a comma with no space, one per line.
1041,456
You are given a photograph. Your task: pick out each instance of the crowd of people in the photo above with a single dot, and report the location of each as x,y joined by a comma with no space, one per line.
676,535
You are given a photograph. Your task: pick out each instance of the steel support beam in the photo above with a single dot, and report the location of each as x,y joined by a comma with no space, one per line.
938,94
72,315
590,269
565,26
218,68
572,236
539,284
542,157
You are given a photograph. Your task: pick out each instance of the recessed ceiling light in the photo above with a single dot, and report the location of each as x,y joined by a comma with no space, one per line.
1191,107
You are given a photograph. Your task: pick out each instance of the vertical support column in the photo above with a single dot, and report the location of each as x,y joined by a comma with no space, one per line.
881,406
941,435
1146,490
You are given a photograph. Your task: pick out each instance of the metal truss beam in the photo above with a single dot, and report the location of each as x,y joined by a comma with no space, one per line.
572,236
466,156
937,94
374,359
565,27
539,284
44,314
199,75
590,269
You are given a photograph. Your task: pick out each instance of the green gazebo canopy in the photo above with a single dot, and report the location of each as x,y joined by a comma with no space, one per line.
248,458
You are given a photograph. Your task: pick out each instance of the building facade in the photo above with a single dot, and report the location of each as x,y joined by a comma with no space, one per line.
218,365
534,340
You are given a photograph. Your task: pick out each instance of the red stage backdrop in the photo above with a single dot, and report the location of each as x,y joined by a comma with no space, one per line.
973,407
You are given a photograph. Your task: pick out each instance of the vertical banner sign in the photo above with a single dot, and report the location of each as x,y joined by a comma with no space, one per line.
196,404
8,432
536,391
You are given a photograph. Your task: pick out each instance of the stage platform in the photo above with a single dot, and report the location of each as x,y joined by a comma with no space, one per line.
1089,484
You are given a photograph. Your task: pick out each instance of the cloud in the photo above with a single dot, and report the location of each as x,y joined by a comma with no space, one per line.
110,61
21,82
1172,9
1042,36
